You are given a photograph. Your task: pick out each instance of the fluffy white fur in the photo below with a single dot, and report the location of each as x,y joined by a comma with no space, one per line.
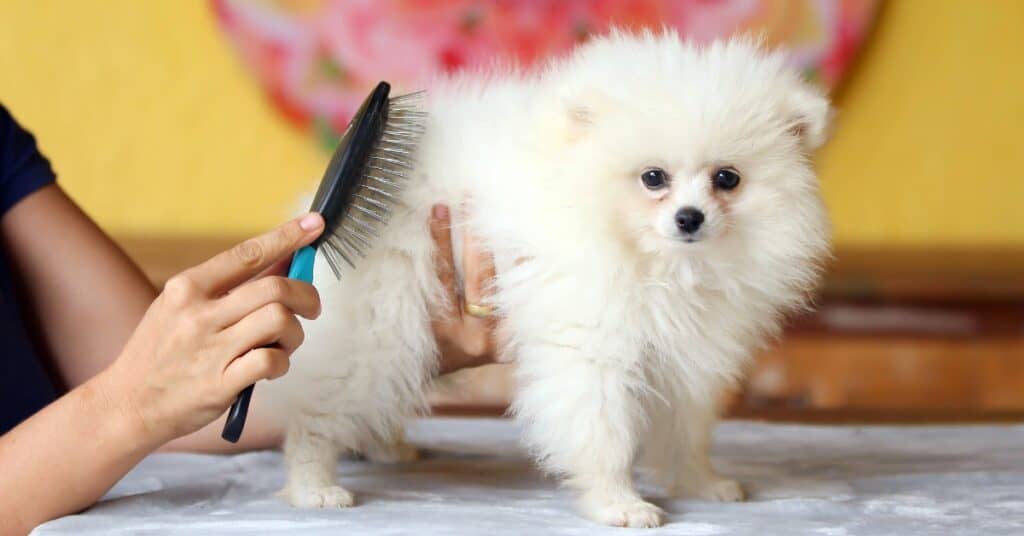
624,335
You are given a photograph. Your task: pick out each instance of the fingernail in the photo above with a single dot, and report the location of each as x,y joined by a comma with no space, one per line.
440,212
311,222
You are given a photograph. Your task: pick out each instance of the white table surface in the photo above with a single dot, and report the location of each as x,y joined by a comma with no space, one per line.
475,479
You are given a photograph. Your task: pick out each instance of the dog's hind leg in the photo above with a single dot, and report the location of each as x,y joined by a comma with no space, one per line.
393,449
312,459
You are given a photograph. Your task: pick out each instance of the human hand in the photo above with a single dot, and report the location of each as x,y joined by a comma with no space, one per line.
464,340
215,329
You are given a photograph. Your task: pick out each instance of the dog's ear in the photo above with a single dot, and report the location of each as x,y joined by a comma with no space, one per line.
576,111
810,116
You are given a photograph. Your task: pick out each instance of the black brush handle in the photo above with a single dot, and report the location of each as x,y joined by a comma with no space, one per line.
235,422
302,270
341,180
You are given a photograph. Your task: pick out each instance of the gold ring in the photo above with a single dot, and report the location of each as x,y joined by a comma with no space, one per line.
477,310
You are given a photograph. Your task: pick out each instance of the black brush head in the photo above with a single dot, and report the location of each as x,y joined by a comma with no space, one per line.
370,166
345,172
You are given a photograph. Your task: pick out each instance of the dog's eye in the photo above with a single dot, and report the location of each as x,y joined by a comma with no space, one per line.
725,179
654,179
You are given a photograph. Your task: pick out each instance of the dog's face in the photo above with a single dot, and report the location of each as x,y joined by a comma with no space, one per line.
695,152
683,205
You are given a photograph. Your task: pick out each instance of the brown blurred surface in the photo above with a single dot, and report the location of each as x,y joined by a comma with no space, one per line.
927,275
899,336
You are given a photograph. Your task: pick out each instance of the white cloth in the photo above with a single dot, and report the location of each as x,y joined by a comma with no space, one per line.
475,479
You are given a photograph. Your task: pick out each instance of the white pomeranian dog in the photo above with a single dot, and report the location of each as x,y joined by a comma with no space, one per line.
653,214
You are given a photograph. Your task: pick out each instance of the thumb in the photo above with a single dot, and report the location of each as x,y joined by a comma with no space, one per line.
240,263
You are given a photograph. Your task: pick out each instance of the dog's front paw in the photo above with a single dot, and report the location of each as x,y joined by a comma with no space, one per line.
633,513
319,497
716,490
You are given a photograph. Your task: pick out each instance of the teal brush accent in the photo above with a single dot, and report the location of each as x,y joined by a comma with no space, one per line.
302,264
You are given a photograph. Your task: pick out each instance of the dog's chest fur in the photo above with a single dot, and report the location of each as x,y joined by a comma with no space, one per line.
698,326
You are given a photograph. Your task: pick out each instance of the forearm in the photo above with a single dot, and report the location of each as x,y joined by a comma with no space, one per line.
89,293
68,455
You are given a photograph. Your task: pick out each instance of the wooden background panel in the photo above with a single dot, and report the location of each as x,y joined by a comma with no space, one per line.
903,372
902,378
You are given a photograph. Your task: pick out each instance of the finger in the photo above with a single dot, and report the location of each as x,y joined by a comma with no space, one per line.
444,265
230,268
271,325
478,268
478,272
254,365
299,297
477,264
278,268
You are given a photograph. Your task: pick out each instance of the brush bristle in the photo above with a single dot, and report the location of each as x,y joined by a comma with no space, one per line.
383,178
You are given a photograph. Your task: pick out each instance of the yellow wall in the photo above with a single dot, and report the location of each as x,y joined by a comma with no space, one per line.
154,126
930,141
149,118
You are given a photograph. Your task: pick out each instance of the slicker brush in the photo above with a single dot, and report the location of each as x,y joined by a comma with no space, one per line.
362,183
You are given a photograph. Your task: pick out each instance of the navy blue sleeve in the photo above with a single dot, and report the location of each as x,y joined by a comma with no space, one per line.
25,385
23,169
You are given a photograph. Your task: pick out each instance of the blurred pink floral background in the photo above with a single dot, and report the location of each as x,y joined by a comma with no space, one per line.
317,59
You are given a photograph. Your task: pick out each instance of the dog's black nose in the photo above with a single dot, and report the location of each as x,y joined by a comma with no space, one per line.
688,219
